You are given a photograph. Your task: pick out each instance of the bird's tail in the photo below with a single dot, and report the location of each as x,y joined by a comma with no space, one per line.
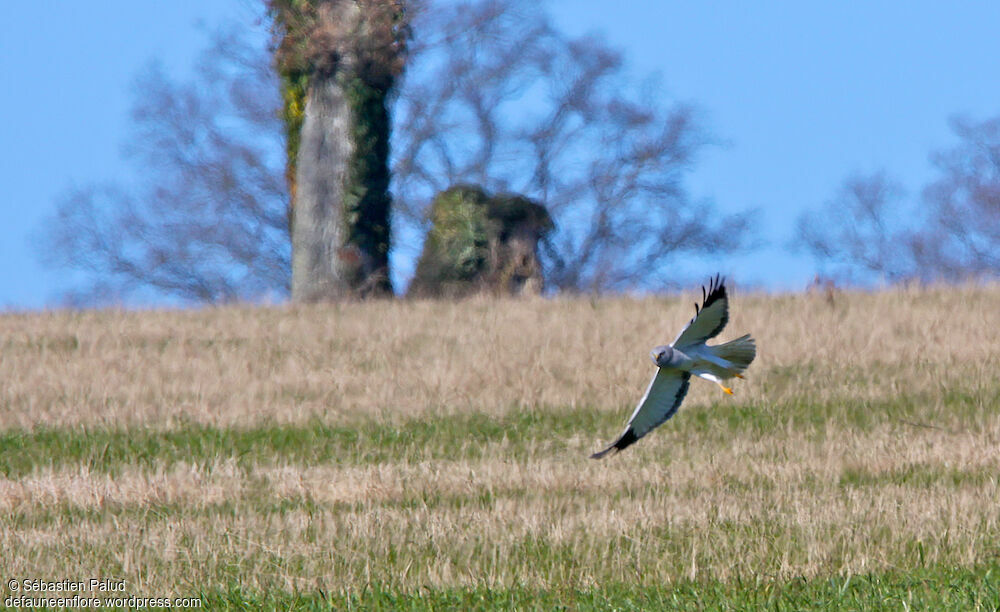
739,352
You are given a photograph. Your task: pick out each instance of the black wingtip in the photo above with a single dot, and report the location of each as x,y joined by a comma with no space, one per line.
627,439
716,291
602,453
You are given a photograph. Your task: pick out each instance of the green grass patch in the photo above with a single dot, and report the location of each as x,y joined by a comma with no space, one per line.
937,588
521,433
443,437
919,475
949,412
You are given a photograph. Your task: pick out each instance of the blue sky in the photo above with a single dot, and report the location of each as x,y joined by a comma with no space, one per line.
800,94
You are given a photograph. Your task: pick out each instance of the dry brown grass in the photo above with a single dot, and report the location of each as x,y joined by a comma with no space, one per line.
700,497
241,366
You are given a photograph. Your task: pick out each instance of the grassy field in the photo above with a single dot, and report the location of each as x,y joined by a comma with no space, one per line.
414,455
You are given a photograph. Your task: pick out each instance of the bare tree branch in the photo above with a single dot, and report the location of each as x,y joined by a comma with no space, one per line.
953,235
963,234
208,221
860,230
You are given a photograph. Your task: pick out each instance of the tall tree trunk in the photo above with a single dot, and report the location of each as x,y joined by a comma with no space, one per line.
322,264
339,60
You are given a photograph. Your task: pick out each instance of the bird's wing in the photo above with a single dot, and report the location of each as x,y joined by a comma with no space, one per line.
665,393
710,319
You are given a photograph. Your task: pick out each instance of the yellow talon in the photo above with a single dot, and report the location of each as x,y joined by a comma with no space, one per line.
739,376
727,390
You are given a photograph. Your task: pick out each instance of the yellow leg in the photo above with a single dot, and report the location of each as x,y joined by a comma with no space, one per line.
726,389
738,375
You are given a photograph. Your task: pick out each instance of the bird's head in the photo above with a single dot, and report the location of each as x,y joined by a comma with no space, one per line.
661,355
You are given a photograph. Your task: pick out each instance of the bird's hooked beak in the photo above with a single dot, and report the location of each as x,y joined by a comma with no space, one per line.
655,356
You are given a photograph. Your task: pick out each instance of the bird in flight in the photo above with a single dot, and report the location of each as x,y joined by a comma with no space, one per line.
686,355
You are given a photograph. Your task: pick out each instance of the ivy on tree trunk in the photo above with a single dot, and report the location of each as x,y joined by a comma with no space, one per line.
367,203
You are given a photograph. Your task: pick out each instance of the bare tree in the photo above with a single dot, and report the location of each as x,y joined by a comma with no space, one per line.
953,234
962,236
859,231
495,96
208,221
